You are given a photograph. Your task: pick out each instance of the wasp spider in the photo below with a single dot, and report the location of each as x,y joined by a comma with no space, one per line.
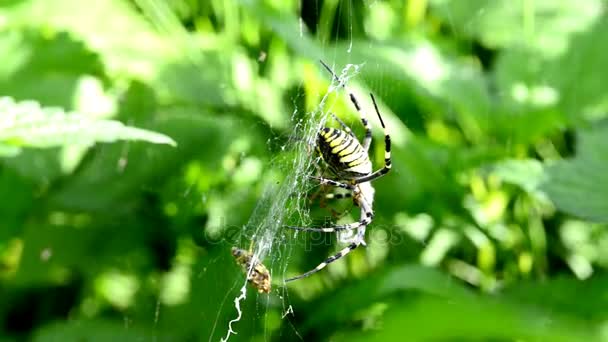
349,161
257,274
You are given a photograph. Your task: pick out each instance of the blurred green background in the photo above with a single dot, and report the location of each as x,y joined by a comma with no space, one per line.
491,227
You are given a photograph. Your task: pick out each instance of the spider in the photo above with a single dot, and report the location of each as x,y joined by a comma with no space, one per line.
349,161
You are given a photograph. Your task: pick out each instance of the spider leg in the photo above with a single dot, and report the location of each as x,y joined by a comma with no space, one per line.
339,195
342,124
327,261
366,220
367,140
333,182
331,72
368,128
387,152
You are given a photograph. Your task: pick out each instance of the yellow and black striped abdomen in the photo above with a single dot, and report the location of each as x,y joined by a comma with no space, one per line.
343,153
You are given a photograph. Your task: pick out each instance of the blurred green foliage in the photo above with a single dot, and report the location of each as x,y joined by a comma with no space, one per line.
492,226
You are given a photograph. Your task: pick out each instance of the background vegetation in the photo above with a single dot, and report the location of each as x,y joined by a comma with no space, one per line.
496,210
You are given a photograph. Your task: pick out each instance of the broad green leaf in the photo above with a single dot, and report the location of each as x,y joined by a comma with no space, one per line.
113,28
202,134
562,294
543,26
424,304
9,151
579,75
540,95
428,318
27,124
527,105
579,185
337,306
98,331
528,173
44,67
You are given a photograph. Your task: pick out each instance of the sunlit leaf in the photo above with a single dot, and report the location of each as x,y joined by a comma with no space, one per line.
541,25
528,174
9,151
539,95
579,75
143,164
113,28
26,124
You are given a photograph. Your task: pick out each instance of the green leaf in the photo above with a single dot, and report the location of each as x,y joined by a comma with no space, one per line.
429,318
541,25
429,305
562,295
540,95
338,306
97,330
580,74
528,173
207,135
113,28
26,124
579,186
14,213
45,67
9,151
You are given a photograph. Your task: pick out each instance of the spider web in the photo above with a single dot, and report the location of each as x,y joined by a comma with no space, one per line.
285,198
